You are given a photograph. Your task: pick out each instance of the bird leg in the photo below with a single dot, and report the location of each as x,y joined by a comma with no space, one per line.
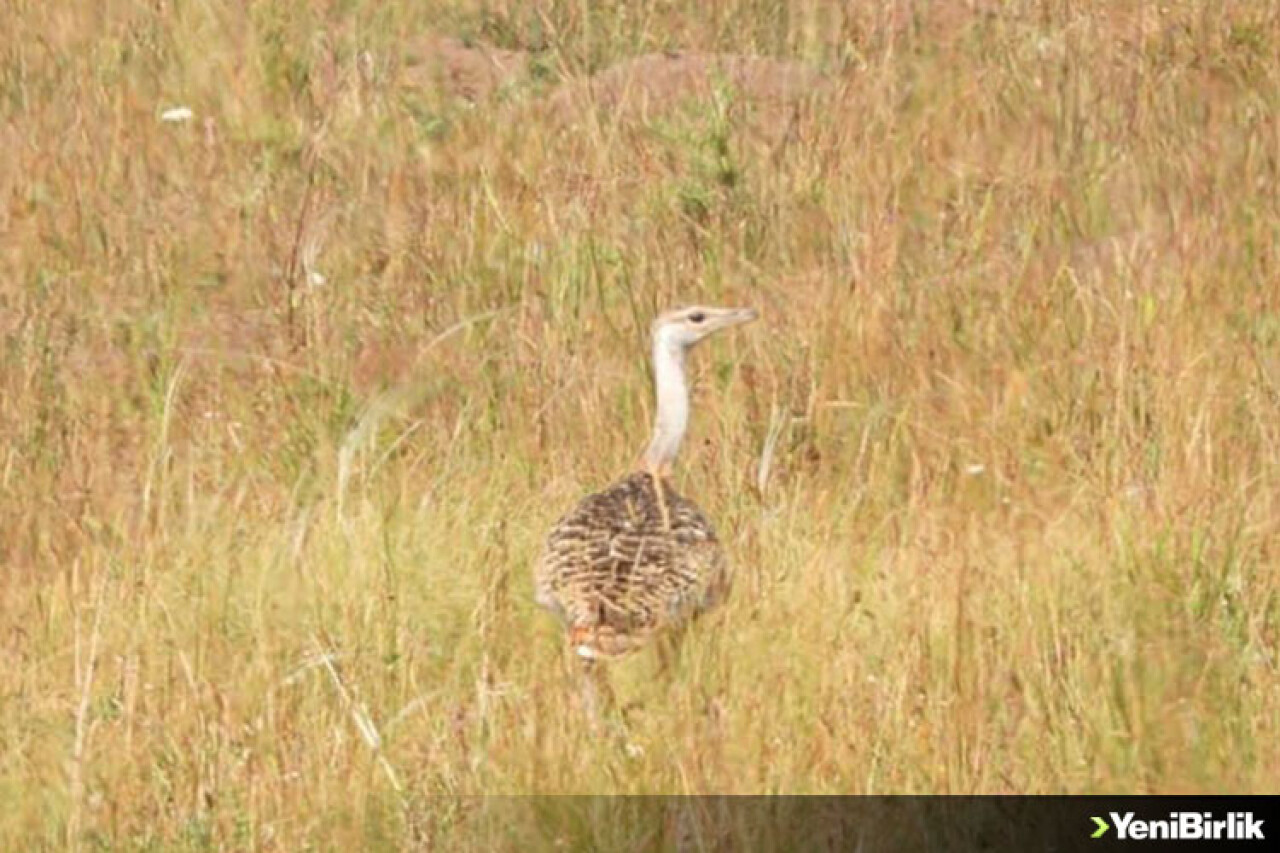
602,709
597,695
666,657
669,652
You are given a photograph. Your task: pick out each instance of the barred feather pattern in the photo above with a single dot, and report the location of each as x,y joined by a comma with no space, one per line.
616,572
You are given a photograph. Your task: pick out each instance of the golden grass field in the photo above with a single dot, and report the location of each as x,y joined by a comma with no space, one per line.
291,390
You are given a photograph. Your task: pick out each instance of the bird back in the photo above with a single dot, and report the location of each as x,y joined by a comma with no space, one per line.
626,563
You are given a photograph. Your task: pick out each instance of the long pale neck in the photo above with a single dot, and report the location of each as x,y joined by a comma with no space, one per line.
673,405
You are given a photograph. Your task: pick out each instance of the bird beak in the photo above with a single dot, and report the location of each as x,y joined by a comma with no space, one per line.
738,316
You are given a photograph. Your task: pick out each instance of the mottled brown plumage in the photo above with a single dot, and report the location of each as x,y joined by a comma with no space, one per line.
616,572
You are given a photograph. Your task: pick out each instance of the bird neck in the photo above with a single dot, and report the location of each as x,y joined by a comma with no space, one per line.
672,418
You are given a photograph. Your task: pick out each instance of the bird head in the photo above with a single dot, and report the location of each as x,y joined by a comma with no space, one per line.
681,329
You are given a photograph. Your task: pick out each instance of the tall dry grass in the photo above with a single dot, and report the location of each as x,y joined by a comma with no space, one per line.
290,391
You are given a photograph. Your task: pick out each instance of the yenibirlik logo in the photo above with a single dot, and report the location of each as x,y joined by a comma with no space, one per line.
1183,826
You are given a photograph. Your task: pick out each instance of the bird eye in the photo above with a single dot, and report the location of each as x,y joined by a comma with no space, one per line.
697,317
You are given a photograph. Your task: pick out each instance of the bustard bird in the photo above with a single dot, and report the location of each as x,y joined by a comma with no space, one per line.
637,558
